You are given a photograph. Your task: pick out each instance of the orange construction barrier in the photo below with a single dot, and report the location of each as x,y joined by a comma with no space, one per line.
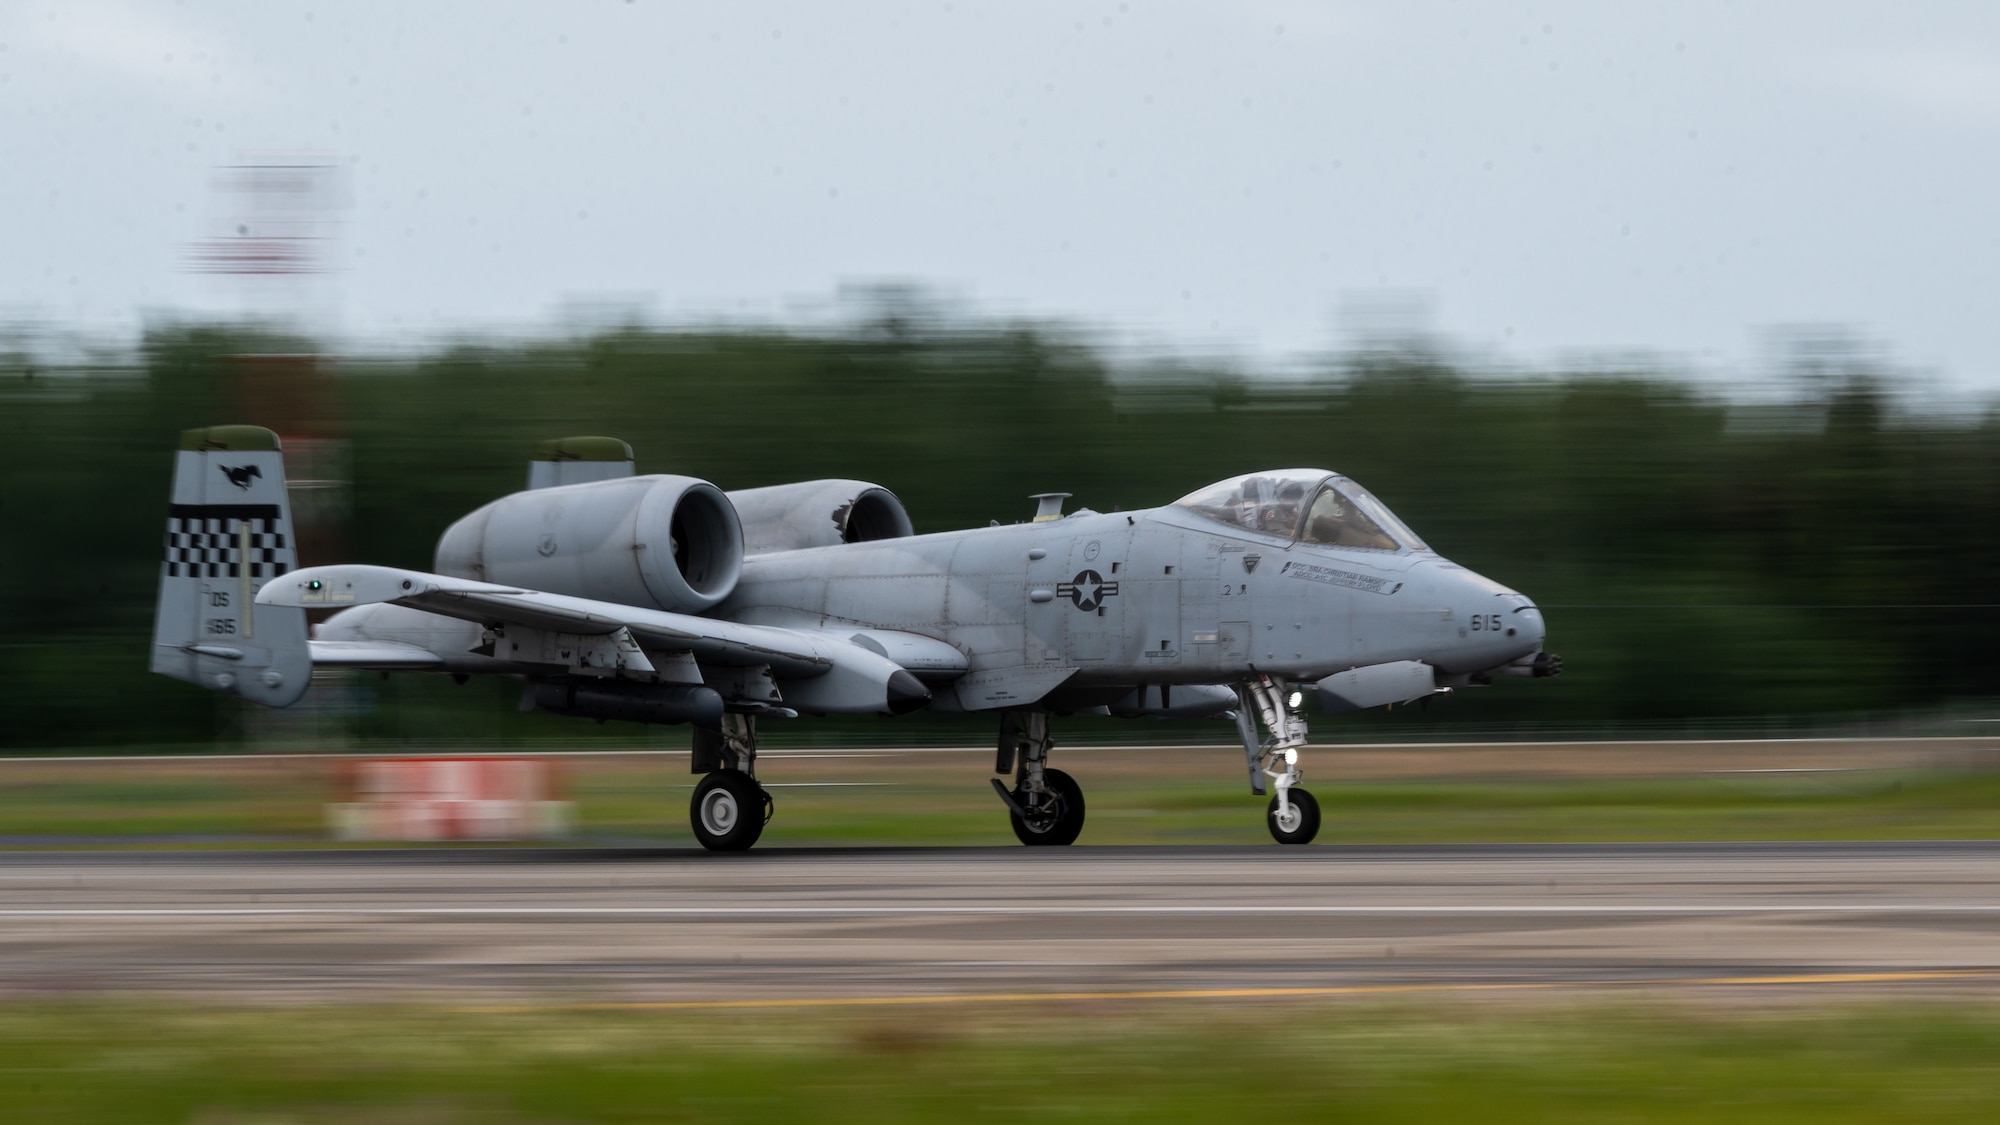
449,799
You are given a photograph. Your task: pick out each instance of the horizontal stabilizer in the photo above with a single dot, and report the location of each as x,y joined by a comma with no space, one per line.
383,656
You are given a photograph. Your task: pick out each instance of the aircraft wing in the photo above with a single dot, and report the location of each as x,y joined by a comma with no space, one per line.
789,654
925,657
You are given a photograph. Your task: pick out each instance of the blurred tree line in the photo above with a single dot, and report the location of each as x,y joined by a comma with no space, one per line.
1829,555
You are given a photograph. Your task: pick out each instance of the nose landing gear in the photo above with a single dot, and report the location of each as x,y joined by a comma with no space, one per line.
1293,815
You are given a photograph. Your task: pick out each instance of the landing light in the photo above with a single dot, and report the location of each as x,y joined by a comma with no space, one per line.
1291,757
1297,698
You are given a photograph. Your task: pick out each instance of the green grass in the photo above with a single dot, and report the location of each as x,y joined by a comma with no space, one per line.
943,800
153,806
1875,806
1487,1062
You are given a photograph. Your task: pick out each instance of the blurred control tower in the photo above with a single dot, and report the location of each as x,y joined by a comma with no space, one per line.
277,221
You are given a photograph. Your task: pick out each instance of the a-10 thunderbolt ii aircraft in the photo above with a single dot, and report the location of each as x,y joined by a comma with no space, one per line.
663,599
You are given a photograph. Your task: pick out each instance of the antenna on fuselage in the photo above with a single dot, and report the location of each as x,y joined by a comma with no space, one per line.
1048,505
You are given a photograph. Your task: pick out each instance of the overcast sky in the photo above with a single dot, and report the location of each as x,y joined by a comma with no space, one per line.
1543,178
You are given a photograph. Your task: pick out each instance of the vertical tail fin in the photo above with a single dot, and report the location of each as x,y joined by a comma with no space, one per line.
229,530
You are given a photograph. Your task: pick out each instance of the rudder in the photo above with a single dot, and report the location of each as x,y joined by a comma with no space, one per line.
229,530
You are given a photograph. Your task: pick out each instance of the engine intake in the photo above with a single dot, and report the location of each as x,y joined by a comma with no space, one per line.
818,513
665,541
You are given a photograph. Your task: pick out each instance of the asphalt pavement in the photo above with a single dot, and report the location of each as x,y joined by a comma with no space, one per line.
504,925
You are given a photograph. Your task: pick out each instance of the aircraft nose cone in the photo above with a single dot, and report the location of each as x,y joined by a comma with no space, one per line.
906,693
1529,621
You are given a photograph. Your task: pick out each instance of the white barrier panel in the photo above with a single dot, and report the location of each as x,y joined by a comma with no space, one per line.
450,799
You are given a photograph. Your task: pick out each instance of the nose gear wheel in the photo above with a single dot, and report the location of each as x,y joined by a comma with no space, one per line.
1298,821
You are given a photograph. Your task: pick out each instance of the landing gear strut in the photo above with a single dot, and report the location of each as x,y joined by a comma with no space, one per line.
1046,804
729,809
1293,815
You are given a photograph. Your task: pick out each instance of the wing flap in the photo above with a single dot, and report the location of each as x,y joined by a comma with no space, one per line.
927,658
930,659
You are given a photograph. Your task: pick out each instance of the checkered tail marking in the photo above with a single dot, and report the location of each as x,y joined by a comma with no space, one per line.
205,540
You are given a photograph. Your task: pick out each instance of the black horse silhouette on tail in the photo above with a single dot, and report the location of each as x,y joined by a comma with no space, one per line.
240,475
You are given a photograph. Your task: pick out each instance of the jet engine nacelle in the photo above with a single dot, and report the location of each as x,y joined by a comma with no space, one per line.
818,513
669,542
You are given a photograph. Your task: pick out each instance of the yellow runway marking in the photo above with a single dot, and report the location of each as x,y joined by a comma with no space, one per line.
1253,993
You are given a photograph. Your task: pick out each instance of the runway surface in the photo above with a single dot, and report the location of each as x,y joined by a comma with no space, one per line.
882,925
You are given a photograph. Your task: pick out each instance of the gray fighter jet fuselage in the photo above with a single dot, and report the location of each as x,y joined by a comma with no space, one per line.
1094,605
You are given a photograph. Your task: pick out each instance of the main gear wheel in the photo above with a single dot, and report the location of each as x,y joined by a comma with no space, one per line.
1055,816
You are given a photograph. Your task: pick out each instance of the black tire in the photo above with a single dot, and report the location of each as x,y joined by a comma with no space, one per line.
728,811
1067,822
1306,817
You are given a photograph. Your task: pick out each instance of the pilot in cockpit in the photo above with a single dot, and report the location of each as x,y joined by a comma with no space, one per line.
1281,516
1309,505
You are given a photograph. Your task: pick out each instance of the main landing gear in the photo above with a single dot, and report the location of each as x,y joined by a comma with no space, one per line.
729,809
1046,804
1293,815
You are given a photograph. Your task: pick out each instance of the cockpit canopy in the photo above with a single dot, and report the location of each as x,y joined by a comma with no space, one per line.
1310,505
